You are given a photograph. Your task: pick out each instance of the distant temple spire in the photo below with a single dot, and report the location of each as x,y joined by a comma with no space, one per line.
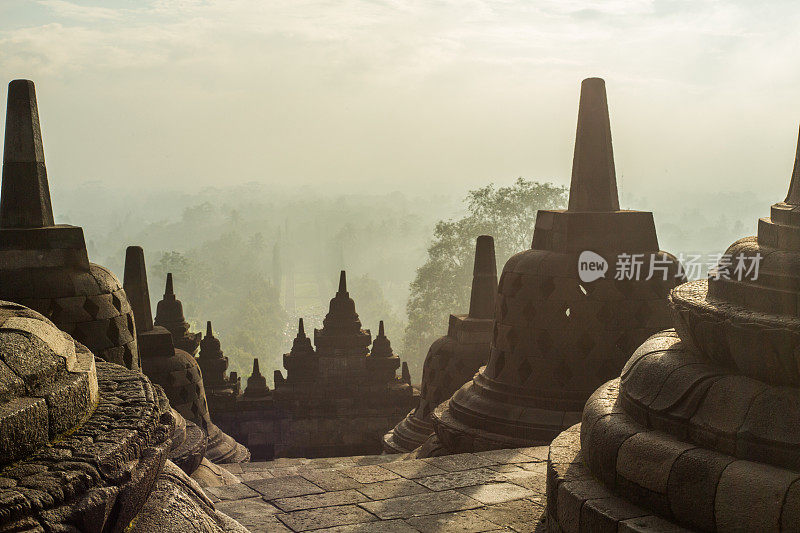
256,383
594,180
343,282
25,193
406,373
169,313
484,279
301,331
135,285
793,198
209,331
381,347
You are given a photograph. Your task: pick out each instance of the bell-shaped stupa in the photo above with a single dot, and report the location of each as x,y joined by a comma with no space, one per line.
44,265
565,320
169,314
174,369
700,431
452,360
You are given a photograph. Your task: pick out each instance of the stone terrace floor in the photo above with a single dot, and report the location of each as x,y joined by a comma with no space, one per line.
502,490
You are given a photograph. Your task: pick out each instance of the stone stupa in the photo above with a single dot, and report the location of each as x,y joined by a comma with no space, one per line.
558,335
169,314
221,388
174,369
454,359
44,265
700,431
84,443
338,399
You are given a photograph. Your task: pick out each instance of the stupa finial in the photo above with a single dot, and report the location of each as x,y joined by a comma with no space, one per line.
380,329
301,330
135,285
406,375
25,193
209,331
793,197
256,371
168,290
484,279
343,282
594,180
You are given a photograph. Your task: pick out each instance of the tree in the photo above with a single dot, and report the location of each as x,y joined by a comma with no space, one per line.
442,284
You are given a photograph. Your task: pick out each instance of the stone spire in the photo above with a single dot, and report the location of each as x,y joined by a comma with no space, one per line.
341,332
301,362
43,265
302,344
213,364
484,279
793,198
169,313
558,333
25,195
256,383
594,180
135,285
381,347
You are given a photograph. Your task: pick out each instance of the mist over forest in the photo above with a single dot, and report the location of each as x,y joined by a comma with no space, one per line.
254,258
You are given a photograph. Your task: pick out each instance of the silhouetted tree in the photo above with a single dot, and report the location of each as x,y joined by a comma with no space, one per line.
442,284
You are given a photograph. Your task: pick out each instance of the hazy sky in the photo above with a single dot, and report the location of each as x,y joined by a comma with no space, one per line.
406,95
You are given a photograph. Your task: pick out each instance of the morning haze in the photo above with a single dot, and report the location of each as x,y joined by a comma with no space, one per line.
312,130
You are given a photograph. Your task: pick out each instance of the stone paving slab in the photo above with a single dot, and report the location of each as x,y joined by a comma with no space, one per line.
499,490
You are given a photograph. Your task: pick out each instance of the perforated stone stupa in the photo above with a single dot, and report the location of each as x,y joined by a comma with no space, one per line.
701,428
558,336
44,265
84,443
174,369
454,359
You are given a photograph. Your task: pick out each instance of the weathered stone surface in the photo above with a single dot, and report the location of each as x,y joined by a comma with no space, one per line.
392,488
461,461
459,521
253,513
325,499
394,504
369,473
86,450
421,504
178,504
325,517
465,478
496,492
414,468
283,487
